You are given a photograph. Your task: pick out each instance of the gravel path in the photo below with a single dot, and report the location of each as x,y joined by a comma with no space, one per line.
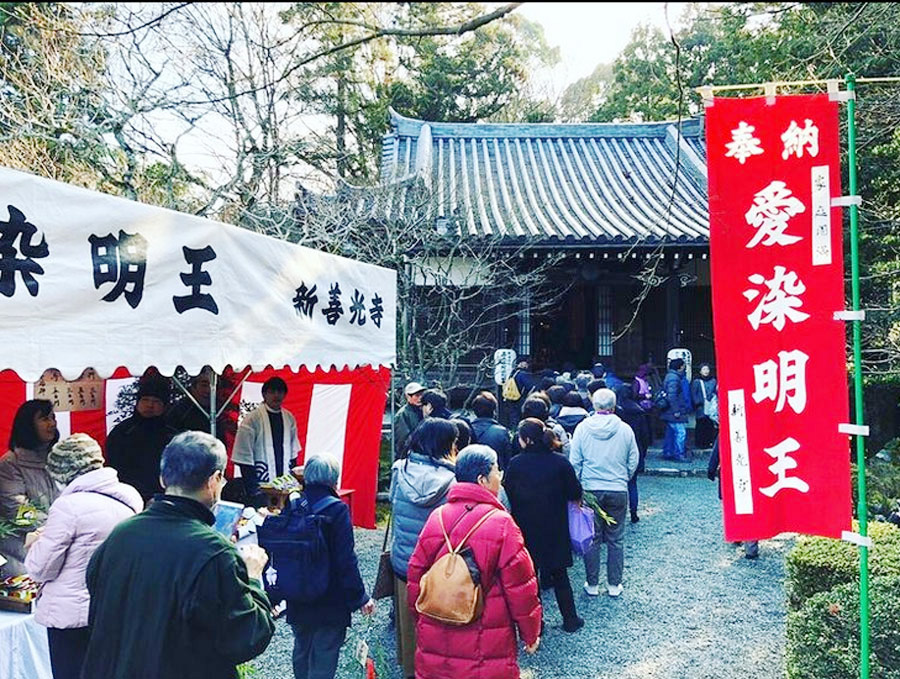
692,605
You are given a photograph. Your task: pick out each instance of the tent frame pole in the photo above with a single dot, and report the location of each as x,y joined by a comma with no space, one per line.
211,412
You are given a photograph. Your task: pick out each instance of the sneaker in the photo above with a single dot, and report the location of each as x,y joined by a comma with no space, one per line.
592,590
614,590
573,625
634,517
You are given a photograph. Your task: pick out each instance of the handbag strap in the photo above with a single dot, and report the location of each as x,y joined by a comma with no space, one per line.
459,546
387,531
703,389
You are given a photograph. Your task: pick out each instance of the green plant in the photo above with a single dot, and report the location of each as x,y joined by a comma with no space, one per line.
246,671
823,635
591,502
816,564
382,513
882,481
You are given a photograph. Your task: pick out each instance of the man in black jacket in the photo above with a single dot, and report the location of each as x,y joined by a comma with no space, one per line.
170,597
134,446
487,430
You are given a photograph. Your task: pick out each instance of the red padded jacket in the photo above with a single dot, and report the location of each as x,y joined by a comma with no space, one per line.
486,648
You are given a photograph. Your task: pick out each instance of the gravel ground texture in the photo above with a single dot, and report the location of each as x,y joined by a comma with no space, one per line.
692,606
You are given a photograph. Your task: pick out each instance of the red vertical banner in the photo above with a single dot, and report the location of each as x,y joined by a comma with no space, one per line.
777,278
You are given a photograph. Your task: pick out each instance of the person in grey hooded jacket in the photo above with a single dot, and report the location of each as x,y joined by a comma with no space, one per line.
605,455
419,485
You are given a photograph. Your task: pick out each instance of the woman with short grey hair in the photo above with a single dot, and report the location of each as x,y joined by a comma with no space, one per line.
322,469
320,626
475,460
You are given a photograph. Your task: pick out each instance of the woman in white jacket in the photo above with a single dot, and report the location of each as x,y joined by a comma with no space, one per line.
85,513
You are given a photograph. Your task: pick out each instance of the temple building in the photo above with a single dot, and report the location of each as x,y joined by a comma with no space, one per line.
609,197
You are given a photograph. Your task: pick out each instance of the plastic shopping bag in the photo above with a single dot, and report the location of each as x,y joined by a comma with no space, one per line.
581,527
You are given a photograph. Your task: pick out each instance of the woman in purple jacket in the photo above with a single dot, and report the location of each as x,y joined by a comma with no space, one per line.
80,519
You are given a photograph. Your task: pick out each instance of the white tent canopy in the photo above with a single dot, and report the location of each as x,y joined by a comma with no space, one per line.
91,280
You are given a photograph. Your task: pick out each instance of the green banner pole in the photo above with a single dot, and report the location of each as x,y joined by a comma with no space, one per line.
862,510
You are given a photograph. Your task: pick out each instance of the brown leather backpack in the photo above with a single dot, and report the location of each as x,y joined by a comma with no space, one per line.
448,593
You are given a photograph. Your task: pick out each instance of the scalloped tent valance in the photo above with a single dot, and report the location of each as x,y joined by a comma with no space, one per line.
89,280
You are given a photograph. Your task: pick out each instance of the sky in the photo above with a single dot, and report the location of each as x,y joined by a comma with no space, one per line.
592,33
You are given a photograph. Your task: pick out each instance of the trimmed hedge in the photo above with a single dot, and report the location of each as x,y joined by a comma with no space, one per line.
823,636
817,564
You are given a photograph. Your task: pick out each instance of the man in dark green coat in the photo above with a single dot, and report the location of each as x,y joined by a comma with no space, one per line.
170,597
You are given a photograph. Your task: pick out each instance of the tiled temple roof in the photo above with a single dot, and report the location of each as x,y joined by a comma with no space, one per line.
598,183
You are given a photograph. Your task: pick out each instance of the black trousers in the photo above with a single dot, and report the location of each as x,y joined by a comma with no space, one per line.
559,581
705,433
67,650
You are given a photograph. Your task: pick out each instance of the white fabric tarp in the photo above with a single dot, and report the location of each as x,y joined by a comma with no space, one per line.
91,280
24,654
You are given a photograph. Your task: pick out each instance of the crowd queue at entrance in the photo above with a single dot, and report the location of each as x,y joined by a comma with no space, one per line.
494,483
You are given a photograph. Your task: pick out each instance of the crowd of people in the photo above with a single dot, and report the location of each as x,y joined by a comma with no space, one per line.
462,480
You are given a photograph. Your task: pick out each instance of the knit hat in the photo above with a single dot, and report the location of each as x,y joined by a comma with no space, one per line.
154,386
72,457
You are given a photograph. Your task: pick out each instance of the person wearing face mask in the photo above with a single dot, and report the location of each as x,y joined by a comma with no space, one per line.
171,597
134,446
266,445
92,502
24,479
487,647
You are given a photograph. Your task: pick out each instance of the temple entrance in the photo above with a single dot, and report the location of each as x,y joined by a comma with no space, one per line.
568,332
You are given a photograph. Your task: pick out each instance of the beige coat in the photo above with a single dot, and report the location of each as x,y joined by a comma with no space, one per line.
23,479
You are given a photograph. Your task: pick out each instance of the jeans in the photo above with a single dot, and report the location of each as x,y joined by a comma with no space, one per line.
316,650
67,650
673,443
614,503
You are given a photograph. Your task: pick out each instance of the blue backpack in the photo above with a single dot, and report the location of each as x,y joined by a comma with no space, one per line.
299,562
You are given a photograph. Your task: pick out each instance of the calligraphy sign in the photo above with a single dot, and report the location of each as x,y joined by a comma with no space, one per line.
777,279
85,393
90,280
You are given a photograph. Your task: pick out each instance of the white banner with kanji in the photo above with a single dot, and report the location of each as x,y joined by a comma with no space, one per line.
89,280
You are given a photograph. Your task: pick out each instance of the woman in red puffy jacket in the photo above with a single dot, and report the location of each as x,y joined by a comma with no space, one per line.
486,648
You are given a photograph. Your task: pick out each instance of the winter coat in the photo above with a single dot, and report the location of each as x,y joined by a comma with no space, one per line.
485,648
346,591
612,381
82,517
636,417
540,484
171,599
604,453
679,408
134,448
405,422
697,399
570,417
489,432
23,480
419,484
